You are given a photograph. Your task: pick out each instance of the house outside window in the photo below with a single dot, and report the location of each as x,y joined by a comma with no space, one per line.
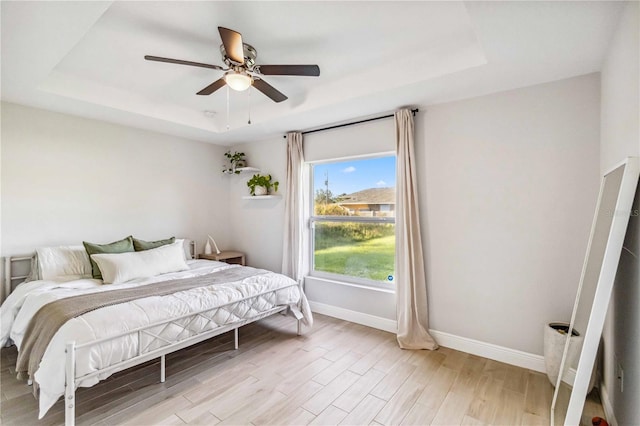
353,221
370,202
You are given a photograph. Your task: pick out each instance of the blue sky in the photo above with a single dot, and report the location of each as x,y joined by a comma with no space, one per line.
356,175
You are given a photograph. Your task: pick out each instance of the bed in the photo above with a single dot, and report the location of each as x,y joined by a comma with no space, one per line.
154,316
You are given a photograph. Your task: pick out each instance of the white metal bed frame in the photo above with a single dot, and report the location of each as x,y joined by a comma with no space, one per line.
9,278
144,353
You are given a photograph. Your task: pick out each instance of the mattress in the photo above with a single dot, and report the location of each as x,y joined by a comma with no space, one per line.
23,303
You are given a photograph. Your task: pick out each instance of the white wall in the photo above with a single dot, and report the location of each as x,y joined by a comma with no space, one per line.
374,137
620,137
67,179
508,189
508,184
256,226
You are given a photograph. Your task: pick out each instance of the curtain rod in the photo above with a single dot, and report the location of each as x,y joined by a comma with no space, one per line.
413,111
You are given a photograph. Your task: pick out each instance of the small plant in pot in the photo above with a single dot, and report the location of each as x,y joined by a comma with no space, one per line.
237,161
261,184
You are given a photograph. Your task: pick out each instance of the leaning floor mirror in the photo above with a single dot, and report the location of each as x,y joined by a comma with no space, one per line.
613,211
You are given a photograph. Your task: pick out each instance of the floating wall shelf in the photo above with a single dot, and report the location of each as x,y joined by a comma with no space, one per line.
260,197
244,170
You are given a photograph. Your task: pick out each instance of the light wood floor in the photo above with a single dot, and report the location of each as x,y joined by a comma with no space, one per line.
336,373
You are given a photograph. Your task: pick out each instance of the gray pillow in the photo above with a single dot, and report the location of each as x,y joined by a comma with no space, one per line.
142,245
122,246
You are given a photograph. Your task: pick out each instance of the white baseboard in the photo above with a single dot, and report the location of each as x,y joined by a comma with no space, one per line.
372,321
463,344
606,405
489,350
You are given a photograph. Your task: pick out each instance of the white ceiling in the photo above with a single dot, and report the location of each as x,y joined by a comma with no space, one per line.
86,58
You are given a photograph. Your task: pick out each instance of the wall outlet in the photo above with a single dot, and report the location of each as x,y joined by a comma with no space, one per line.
620,375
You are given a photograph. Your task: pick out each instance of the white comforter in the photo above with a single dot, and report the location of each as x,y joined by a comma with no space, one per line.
28,298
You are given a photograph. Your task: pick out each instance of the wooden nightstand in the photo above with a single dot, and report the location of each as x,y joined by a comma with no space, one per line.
233,257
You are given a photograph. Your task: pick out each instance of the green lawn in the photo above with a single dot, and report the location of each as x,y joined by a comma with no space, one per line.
373,259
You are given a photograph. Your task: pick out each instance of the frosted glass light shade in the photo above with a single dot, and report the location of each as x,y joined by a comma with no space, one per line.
237,81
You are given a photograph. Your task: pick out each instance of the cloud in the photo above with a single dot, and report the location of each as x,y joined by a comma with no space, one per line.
381,183
349,169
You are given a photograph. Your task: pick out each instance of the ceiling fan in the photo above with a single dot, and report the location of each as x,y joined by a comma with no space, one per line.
242,71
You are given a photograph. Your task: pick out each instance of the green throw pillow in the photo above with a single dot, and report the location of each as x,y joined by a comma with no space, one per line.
142,245
123,246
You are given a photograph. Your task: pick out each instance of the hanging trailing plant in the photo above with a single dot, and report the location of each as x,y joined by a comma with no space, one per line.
237,161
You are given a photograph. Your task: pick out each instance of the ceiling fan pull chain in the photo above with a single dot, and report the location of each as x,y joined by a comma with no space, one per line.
249,122
228,127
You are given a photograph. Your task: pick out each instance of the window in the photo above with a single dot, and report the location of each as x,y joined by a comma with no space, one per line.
353,220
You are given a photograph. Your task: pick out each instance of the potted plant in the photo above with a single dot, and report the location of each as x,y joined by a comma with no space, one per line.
261,184
237,161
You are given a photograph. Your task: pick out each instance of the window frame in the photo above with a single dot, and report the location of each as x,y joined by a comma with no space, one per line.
313,219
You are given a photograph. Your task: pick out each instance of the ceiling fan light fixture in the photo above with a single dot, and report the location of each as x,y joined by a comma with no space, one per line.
238,81
240,58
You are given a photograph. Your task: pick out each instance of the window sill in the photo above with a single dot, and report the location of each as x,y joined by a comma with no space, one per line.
351,284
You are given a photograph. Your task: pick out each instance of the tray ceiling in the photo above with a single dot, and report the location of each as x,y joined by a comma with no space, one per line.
86,58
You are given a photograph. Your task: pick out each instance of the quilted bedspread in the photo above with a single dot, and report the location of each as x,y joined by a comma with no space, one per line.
28,298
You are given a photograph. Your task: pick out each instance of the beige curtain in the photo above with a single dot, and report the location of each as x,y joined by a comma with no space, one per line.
292,259
411,287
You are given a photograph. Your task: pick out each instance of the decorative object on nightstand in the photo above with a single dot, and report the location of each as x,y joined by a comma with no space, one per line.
207,247
232,257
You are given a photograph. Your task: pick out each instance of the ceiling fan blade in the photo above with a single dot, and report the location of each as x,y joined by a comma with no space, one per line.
269,90
181,62
305,70
212,87
232,41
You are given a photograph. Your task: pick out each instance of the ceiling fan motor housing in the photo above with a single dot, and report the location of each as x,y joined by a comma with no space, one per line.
249,52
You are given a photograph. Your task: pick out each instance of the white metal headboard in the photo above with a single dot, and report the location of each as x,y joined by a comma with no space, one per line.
10,279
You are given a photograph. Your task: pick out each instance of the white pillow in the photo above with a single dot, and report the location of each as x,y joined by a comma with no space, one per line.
122,267
63,263
187,248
